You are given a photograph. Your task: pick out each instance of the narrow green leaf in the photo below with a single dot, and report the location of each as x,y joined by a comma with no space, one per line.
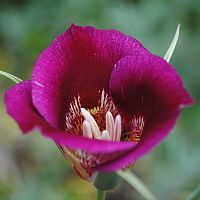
10,76
172,45
136,183
195,195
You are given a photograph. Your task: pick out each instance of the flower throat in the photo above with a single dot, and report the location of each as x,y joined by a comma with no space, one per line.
102,122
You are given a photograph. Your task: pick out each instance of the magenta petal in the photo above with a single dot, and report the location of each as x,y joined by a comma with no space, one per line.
19,105
78,62
148,86
151,138
91,146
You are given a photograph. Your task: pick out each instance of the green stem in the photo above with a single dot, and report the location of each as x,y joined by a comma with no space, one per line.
137,184
100,195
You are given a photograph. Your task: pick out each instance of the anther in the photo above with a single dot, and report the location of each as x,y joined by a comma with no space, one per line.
95,129
87,132
118,128
105,135
110,125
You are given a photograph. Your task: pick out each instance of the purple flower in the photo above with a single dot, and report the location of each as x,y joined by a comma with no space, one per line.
101,96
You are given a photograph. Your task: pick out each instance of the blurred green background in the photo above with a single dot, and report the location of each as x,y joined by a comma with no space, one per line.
31,167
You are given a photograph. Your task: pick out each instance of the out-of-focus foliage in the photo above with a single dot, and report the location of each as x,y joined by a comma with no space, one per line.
31,167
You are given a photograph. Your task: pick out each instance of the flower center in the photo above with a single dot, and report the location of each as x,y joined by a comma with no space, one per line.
103,122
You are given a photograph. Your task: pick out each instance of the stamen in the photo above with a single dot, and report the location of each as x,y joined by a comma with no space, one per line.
95,129
110,125
87,131
100,122
91,129
105,135
118,128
